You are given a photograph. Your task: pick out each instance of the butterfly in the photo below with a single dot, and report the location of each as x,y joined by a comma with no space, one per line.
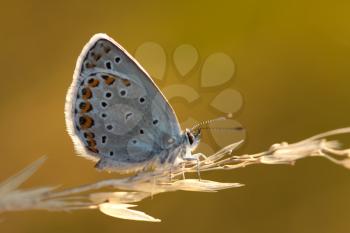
117,116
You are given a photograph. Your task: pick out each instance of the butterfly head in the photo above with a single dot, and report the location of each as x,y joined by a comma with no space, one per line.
193,138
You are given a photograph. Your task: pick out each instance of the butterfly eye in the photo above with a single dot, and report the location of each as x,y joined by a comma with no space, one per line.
155,122
109,127
190,138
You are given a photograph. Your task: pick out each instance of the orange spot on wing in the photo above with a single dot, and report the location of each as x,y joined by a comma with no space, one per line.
86,122
93,82
107,49
92,149
126,82
89,65
91,143
85,107
89,135
109,80
86,92
96,57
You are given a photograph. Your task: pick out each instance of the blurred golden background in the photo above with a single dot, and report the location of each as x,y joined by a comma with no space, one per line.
292,69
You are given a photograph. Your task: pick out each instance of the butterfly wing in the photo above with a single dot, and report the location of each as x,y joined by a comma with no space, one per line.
114,111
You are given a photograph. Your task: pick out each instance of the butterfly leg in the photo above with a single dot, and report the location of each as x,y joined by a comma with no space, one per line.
171,173
195,157
153,186
201,155
183,171
198,169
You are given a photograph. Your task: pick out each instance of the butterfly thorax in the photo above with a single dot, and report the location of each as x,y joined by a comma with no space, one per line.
181,151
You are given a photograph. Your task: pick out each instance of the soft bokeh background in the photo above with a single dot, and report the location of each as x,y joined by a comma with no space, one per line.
292,60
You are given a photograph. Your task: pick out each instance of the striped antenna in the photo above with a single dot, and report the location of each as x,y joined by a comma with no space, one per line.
207,122
205,125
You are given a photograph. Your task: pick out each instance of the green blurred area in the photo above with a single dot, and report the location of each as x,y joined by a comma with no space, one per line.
292,67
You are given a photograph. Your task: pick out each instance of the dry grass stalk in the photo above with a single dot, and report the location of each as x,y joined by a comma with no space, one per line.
149,183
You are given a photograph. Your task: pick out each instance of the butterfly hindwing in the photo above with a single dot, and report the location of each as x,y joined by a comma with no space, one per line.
114,110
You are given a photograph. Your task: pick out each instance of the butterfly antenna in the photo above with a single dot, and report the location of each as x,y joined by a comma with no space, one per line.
207,122
238,128
205,125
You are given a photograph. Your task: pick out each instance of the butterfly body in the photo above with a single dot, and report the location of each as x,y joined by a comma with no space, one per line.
117,116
